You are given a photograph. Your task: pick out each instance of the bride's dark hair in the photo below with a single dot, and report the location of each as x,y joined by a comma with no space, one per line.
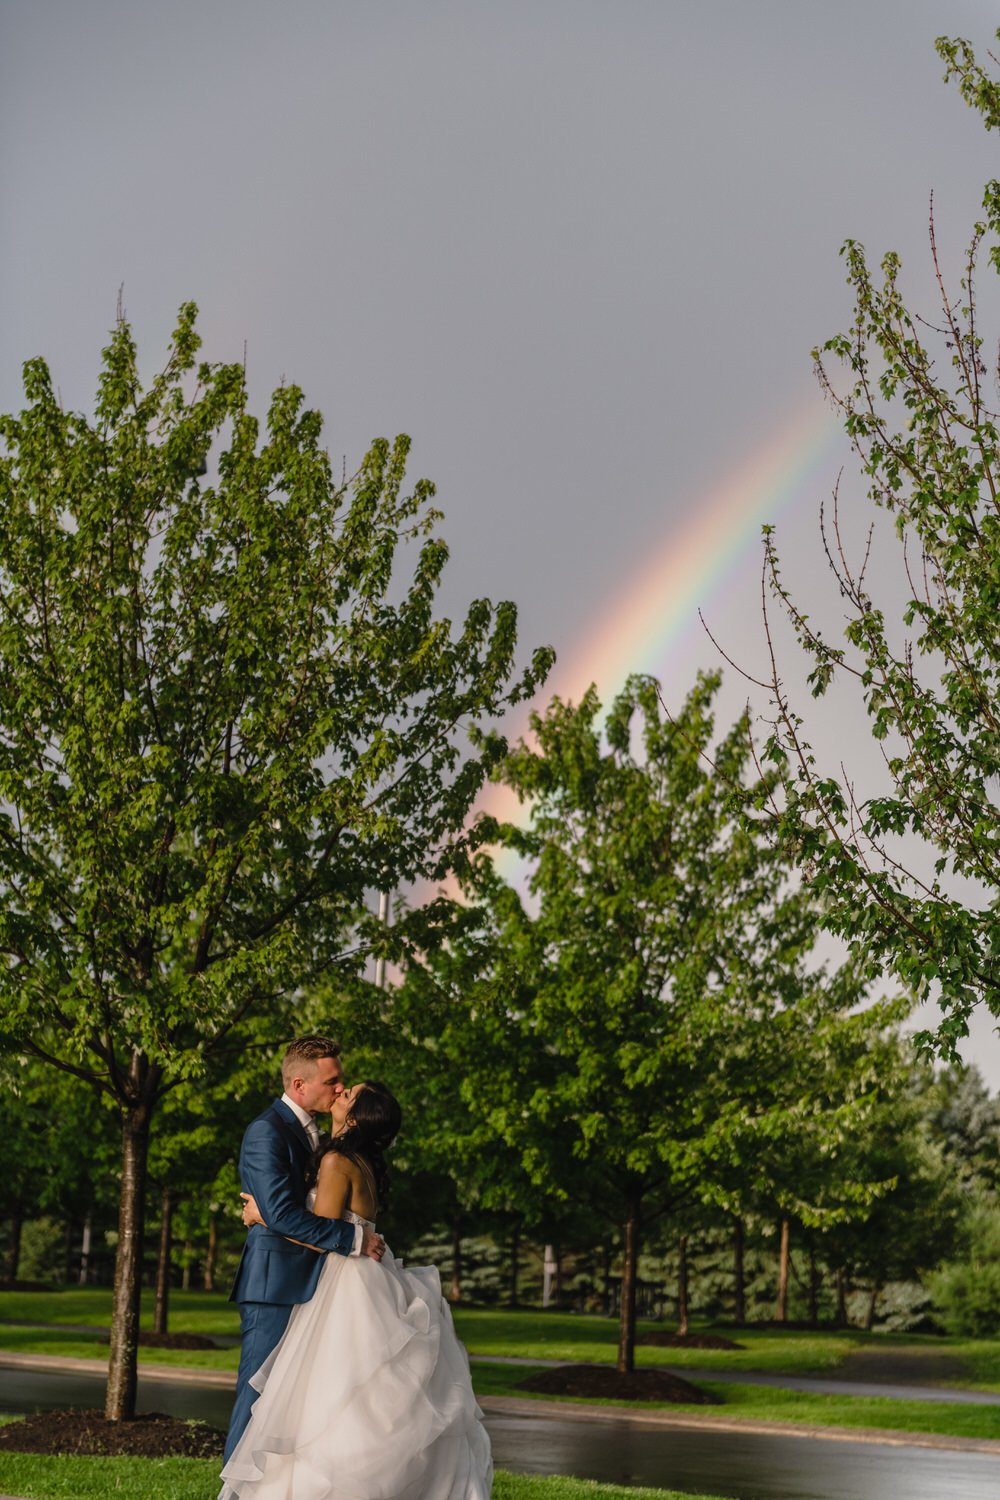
376,1118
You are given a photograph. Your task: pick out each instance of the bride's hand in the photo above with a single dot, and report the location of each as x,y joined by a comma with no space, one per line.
251,1213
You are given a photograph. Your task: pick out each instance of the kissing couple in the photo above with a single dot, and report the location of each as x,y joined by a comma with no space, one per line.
352,1383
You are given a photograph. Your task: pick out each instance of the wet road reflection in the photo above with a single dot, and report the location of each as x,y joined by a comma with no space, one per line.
738,1466
741,1466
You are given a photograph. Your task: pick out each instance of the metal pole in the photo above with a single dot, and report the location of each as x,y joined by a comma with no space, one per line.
548,1272
85,1251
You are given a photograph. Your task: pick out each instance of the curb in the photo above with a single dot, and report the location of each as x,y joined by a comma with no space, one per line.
69,1365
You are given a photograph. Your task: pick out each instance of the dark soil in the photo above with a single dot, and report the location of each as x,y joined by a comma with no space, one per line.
603,1382
88,1434
169,1341
28,1286
687,1341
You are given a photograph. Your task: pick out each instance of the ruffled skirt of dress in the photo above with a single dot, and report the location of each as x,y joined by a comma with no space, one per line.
367,1397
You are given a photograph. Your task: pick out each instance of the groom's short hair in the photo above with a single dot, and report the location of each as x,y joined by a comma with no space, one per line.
306,1049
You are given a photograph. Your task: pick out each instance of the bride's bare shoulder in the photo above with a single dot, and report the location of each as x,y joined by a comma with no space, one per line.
333,1164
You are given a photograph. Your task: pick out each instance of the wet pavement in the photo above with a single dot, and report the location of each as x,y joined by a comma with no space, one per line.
739,1465
734,1463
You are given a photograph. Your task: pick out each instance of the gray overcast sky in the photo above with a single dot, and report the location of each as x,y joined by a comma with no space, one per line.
580,251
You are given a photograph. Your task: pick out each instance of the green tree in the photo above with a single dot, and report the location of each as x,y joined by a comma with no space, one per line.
963,1121
28,1153
908,1229
649,1025
59,1152
911,875
967,1291
229,711
854,1067
963,1124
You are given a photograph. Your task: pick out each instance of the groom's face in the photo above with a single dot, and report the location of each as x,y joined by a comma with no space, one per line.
326,1082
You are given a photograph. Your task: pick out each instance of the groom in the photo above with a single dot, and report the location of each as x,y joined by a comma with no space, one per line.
274,1274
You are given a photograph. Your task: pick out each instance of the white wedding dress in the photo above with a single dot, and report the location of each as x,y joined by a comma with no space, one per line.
366,1397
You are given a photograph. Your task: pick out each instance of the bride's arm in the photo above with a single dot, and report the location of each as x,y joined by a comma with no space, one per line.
333,1193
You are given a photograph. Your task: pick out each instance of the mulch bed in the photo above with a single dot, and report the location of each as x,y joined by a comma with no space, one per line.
28,1286
687,1341
169,1341
88,1434
799,1325
604,1383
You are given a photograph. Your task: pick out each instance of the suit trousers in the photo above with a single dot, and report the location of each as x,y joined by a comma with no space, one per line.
261,1326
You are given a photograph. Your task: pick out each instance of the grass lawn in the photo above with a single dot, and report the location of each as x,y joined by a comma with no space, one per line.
762,1403
983,1359
190,1312
593,1340
197,1479
526,1334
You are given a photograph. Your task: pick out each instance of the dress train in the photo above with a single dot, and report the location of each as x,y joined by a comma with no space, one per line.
366,1397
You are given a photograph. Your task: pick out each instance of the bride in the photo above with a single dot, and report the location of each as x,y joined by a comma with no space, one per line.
367,1395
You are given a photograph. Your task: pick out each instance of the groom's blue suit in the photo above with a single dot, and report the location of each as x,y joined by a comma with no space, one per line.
273,1275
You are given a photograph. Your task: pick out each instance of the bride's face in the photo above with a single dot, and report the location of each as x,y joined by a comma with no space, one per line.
340,1110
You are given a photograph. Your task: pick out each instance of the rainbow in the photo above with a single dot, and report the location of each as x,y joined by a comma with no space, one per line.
655,614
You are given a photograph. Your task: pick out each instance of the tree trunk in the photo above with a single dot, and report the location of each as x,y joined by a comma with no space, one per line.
872,1305
455,1292
606,1278
683,1325
515,1261
739,1273
557,1277
781,1311
841,1297
186,1267
162,1301
630,1263
14,1253
211,1253
120,1400
813,1287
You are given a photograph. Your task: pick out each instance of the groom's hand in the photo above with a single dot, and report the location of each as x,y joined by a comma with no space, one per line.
372,1244
251,1213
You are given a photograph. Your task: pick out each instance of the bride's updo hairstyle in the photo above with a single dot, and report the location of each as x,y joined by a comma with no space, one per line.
376,1118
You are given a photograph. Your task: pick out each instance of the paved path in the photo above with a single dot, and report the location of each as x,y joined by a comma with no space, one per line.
831,1386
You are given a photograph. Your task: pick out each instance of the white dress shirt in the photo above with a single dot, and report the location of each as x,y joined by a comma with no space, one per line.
311,1129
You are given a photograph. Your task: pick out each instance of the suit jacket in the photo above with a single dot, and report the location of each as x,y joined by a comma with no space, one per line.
273,1160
